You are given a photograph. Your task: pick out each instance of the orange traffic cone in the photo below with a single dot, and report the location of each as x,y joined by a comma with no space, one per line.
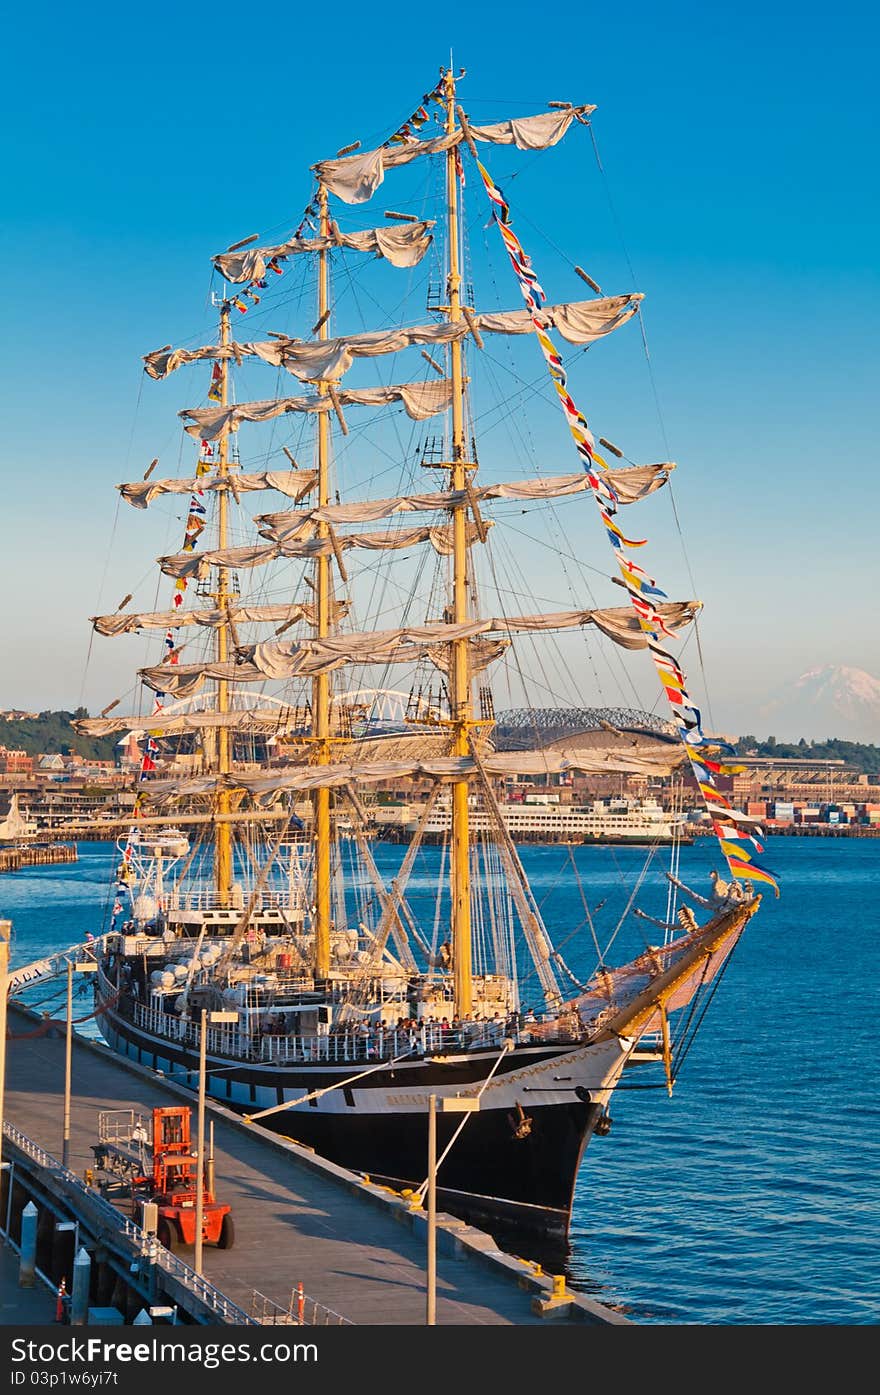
59,1302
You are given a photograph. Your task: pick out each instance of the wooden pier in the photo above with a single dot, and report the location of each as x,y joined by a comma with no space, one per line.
36,855
358,1250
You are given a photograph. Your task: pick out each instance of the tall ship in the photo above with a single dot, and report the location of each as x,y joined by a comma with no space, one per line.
248,906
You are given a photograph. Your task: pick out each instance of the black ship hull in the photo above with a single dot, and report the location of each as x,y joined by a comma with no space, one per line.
490,1176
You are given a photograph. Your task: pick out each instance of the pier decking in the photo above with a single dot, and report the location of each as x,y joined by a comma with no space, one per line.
355,1248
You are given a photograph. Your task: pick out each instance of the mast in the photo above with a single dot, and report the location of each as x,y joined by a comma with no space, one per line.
223,829
461,696
321,684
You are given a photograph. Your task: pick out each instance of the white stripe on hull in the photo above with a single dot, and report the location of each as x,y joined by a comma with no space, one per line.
551,1081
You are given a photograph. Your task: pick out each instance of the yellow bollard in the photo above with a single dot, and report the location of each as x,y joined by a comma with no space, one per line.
557,1303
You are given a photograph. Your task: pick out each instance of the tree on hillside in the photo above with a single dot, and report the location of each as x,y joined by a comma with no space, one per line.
52,734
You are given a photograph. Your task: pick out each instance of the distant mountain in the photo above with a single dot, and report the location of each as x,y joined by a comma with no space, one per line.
833,700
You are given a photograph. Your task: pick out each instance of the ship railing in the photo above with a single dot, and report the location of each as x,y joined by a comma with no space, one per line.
651,1039
375,1045
101,1213
226,1041
183,1031
105,988
291,1048
205,900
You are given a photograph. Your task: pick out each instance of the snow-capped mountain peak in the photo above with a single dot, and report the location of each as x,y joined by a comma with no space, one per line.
834,700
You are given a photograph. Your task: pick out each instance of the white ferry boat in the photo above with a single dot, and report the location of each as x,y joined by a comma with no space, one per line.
602,821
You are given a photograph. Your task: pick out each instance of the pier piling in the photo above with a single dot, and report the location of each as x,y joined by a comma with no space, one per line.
79,1297
28,1257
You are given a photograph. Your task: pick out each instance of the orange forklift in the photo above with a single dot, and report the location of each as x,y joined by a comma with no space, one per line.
171,1184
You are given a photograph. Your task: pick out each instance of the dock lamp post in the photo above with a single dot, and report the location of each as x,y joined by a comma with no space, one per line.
449,1104
213,1018
86,966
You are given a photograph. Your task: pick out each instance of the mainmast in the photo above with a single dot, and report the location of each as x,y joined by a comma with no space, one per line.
223,828
321,684
459,671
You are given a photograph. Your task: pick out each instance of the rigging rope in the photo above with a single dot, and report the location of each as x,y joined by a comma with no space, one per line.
49,1023
508,1046
325,1090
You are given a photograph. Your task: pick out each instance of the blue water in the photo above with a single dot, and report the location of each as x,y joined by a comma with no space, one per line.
749,1197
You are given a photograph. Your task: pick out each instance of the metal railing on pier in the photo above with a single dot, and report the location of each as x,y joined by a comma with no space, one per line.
97,1209
301,1311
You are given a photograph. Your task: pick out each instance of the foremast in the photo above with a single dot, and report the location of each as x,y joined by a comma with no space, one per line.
321,683
461,714
223,828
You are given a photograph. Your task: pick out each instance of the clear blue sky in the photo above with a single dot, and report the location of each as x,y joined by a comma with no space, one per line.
740,152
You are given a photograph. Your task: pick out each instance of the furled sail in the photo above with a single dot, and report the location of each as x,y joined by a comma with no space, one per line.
266,721
401,244
531,132
294,483
196,564
630,483
280,660
121,623
648,758
641,755
481,653
579,321
330,358
355,178
182,680
310,359
420,400
296,658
